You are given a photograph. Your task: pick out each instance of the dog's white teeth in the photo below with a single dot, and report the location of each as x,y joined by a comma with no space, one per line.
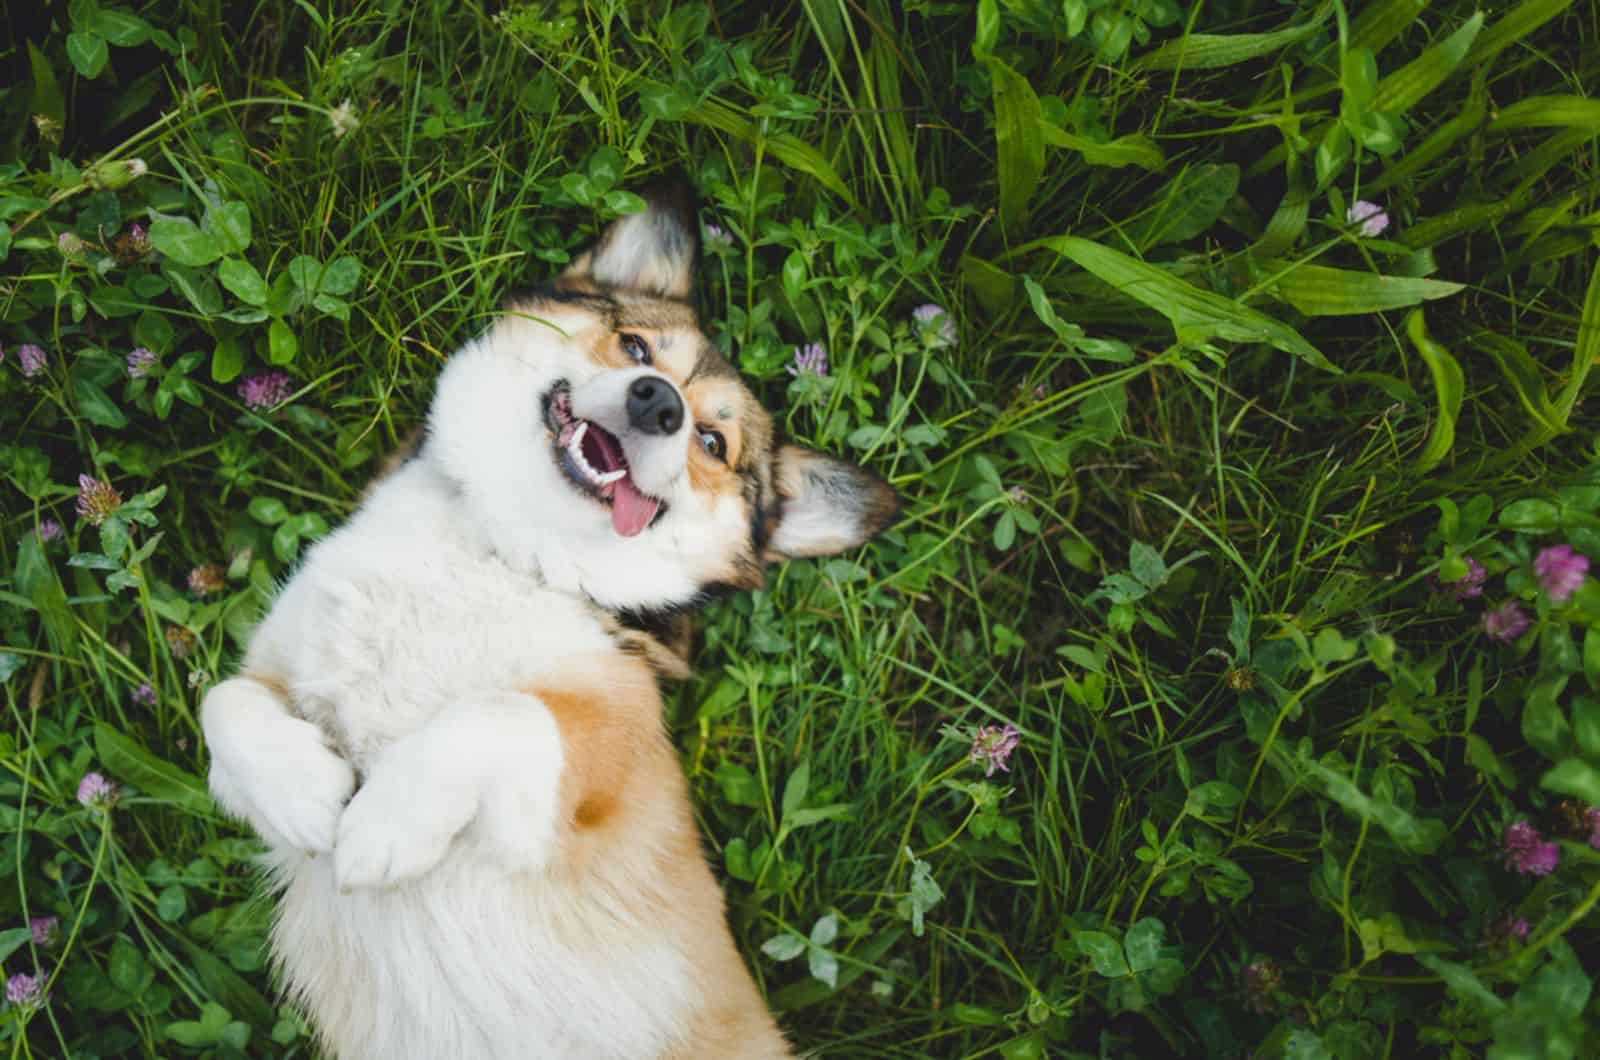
577,435
611,476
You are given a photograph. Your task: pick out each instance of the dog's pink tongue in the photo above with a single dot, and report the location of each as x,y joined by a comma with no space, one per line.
631,511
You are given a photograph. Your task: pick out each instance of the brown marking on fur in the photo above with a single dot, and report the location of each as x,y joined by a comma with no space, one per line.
631,834
271,682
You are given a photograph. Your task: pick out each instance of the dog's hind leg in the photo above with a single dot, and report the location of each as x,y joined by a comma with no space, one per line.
272,769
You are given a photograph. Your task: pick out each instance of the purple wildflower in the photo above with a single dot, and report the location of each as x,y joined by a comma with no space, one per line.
935,324
1508,929
992,746
1529,853
24,990
1466,587
1261,979
44,929
132,246
1591,817
1506,622
96,790
1560,571
260,392
810,359
715,236
96,499
30,358
140,361
1368,217
70,246
144,695
48,531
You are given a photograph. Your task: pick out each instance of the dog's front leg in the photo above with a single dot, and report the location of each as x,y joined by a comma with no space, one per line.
494,764
271,769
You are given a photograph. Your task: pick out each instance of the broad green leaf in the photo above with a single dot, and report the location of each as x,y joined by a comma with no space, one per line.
1574,112
198,287
227,360
1143,943
996,288
96,405
1526,379
1544,723
1449,386
1573,776
88,53
790,150
1195,314
1481,756
341,276
785,947
1586,709
281,343
47,98
1463,982
115,301
128,760
1189,205
1103,951
1414,835
229,225
1019,140
1320,291
1211,51
1404,88
241,277
1135,149
1046,312
182,240
12,940
797,788
120,28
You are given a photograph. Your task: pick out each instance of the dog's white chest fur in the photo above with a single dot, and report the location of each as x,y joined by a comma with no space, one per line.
398,616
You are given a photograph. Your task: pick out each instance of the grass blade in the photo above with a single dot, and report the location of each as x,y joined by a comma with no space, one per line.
1406,87
1449,385
1213,51
1196,315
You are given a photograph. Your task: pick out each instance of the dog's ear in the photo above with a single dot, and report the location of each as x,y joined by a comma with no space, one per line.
825,506
652,252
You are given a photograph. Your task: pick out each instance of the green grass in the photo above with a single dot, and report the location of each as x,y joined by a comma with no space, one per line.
1174,499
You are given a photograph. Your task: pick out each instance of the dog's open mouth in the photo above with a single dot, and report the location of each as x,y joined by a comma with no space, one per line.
592,458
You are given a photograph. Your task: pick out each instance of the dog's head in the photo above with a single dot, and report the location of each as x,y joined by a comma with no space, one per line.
598,436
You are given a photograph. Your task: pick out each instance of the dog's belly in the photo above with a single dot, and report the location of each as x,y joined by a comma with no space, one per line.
388,639
471,963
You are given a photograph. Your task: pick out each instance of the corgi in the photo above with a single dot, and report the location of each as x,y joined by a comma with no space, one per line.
478,832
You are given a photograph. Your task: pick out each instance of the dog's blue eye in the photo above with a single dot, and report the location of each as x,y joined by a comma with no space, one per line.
636,348
714,444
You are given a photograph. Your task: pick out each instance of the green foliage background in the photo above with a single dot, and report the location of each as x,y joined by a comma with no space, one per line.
1181,494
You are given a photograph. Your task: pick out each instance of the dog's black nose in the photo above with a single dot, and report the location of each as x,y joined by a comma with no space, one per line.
654,406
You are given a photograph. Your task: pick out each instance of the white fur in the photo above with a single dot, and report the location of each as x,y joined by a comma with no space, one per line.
401,637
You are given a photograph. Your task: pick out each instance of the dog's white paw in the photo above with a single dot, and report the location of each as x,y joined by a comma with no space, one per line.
398,826
291,787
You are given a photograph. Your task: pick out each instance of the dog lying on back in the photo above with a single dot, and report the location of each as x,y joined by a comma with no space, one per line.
518,874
